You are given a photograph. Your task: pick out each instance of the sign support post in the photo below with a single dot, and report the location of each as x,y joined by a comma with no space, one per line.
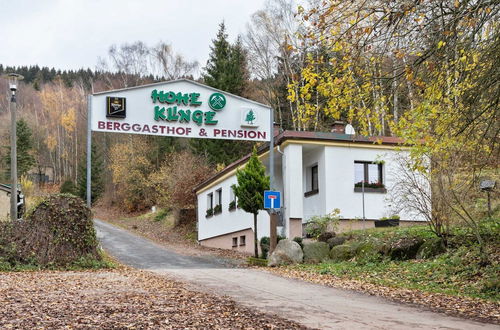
273,221
89,151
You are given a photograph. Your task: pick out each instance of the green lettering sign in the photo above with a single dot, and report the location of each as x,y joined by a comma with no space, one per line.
209,116
159,113
197,117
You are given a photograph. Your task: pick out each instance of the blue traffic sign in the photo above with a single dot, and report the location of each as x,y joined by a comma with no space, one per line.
272,199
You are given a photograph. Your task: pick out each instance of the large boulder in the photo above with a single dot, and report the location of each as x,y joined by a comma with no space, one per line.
287,252
342,252
405,248
316,252
431,248
337,240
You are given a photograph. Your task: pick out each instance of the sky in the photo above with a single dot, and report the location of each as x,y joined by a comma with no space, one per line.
72,34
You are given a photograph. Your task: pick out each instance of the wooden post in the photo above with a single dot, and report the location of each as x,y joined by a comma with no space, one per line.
273,235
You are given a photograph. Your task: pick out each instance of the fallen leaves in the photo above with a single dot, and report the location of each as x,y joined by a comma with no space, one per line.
118,299
459,306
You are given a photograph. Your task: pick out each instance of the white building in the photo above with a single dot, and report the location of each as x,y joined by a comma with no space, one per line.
316,173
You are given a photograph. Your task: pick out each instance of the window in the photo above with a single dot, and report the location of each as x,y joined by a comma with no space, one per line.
314,178
235,241
210,201
218,201
232,199
369,173
243,240
218,195
312,181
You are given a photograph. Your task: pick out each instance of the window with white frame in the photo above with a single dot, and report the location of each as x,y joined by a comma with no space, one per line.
218,197
232,199
210,201
312,180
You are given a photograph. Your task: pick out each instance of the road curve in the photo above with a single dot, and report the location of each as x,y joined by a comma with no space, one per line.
312,305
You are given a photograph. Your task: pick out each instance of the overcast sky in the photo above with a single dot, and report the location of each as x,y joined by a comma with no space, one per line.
70,34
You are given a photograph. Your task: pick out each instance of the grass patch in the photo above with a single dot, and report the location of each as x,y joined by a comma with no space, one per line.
458,271
257,261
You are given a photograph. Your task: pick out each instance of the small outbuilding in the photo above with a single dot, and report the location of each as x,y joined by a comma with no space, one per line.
316,173
5,191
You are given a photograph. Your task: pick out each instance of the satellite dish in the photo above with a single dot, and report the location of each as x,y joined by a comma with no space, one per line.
349,129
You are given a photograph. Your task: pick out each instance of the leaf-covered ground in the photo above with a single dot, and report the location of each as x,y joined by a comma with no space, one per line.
118,299
473,308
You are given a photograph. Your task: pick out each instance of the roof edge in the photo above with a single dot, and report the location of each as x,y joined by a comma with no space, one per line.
292,135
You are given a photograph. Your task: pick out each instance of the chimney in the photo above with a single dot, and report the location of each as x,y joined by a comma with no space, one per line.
277,128
338,127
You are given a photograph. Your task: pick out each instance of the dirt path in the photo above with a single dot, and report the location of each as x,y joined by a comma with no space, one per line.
311,305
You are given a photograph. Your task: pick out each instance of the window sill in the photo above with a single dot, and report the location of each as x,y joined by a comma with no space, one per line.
371,190
312,192
242,244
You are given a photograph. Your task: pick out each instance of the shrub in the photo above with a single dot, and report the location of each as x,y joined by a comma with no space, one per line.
316,252
265,245
161,214
337,240
405,248
299,240
324,237
58,231
431,248
68,187
341,252
318,225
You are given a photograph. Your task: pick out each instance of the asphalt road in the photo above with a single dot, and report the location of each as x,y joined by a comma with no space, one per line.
312,305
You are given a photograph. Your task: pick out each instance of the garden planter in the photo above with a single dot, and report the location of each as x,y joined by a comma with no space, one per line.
387,223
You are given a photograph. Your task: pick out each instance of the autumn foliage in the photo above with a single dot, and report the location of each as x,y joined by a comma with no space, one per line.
175,180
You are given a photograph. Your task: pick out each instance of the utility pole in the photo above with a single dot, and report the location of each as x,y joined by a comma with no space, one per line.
13,79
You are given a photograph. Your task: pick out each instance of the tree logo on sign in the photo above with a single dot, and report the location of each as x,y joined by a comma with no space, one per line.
217,101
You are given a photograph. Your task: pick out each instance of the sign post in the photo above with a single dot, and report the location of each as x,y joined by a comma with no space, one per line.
272,201
178,108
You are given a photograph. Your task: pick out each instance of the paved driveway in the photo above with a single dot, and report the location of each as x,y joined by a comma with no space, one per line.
312,305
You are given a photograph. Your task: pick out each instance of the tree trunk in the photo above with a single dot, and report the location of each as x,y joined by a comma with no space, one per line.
255,240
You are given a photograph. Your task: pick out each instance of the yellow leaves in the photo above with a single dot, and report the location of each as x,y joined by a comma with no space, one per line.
68,120
441,44
51,142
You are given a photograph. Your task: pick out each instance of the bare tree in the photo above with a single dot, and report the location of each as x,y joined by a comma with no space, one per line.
171,65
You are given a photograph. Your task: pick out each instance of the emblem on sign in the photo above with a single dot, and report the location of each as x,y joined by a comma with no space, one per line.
116,107
217,101
249,118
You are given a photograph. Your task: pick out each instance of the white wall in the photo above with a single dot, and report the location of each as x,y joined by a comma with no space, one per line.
235,220
293,193
339,163
335,183
314,204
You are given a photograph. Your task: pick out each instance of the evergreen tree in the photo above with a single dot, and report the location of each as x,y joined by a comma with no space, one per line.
252,181
97,183
226,70
25,159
